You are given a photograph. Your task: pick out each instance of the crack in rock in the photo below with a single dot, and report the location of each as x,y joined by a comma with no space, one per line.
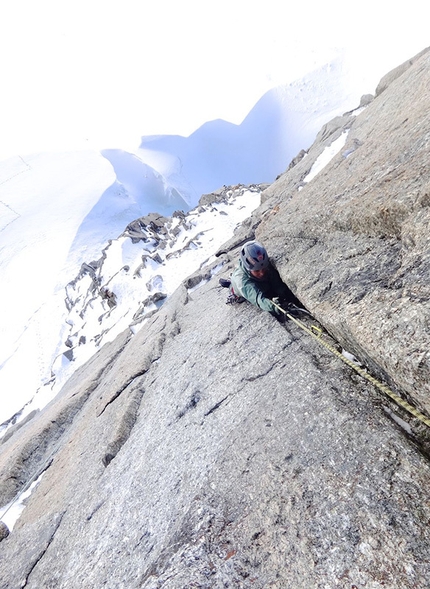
121,390
42,553
124,428
216,406
260,374
192,404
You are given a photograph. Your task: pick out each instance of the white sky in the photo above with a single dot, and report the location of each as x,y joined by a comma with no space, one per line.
102,73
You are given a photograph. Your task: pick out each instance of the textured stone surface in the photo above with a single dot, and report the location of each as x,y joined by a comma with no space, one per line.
240,454
217,448
4,531
354,243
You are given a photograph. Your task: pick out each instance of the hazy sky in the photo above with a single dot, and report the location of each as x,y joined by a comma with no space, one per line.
100,73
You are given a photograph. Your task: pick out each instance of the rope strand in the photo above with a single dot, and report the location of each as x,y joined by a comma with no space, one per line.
382,387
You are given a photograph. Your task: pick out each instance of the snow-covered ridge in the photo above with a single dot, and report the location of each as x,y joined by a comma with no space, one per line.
136,273
143,266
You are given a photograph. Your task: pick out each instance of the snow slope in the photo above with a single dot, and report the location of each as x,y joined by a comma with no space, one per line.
57,210
284,121
43,199
130,278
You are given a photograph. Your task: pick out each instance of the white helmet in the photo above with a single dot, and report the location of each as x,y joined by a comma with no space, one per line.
254,256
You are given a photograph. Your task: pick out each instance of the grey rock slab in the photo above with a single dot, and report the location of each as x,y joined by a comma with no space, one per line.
354,243
254,459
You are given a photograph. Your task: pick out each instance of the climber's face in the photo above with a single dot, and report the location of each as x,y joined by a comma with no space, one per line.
259,273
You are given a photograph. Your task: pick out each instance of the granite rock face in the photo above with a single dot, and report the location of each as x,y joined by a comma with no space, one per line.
354,243
218,448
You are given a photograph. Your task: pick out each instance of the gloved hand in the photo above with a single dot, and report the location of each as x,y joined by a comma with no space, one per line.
281,317
278,315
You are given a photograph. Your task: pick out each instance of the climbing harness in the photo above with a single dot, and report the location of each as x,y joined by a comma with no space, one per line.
316,333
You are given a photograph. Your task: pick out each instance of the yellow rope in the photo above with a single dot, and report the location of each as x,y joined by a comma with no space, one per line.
382,387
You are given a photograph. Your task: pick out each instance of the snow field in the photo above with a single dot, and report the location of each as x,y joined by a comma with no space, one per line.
136,286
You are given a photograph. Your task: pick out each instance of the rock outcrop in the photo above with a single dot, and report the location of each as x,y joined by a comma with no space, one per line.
355,243
218,448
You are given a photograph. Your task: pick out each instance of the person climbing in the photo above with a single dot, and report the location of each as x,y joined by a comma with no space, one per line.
256,280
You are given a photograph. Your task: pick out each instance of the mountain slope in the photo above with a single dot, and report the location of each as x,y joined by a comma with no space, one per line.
69,205
218,448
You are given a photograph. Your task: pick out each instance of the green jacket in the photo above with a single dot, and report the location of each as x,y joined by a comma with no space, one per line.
259,292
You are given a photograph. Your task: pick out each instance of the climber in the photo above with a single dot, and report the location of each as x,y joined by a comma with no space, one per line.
257,281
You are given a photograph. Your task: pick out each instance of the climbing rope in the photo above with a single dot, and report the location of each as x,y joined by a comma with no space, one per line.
316,333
